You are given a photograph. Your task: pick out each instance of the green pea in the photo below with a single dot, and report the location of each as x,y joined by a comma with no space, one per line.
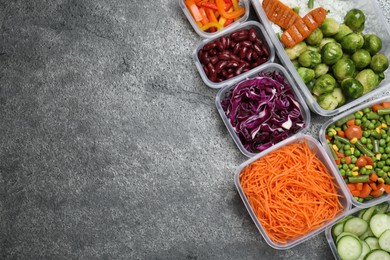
385,168
370,146
381,150
387,161
347,152
380,164
330,133
347,147
363,140
358,122
382,142
366,134
357,115
366,110
364,119
384,136
342,172
342,160
371,126
345,166
381,173
354,159
384,156
351,166
363,170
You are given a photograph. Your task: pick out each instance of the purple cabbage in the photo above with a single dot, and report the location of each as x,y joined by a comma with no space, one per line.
263,111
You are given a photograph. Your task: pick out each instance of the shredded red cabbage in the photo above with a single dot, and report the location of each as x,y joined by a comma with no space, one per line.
263,111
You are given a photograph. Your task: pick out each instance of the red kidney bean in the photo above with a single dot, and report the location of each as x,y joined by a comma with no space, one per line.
225,55
232,43
236,48
242,52
230,70
206,71
213,52
239,69
212,72
227,43
252,35
255,56
257,48
214,60
209,46
240,38
248,55
223,42
205,58
224,73
232,64
221,65
220,45
235,58
265,50
229,76
246,44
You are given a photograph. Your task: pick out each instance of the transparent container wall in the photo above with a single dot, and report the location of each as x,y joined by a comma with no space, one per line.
271,67
323,140
203,34
247,25
321,154
375,23
328,231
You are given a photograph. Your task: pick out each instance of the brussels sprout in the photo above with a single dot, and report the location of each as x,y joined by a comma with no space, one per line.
368,79
355,20
295,63
313,48
343,69
352,42
331,53
324,84
362,58
343,31
329,27
295,51
338,94
315,37
306,74
321,69
352,88
327,101
325,41
309,59
379,63
372,43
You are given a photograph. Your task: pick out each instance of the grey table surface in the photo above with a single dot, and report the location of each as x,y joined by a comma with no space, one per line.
110,143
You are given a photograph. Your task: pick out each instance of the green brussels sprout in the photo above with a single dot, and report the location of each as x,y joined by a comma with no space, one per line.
321,69
372,43
343,31
295,63
352,88
327,101
343,69
306,74
309,59
331,53
352,42
338,94
379,63
368,79
313,48
355,20
329,27
325,41
324,84
315,37
362,58
295,51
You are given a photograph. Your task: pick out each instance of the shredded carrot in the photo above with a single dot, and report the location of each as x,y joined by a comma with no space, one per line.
291,192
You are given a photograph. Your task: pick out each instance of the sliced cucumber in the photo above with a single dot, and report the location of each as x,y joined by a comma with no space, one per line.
360,215
368,214
349,247
379,223
365,250
366,234
372,242
382,208
345,234
378,255
356,226
338,229
384,240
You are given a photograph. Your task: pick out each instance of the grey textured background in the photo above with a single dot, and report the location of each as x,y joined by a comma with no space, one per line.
110,143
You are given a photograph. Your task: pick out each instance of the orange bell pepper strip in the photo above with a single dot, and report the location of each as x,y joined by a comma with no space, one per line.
210,6
221,10
204,16
194,10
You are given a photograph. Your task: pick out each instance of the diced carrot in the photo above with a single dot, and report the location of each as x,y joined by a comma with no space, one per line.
348,159
351,122
376,107
328,137
373,186
365,190
377,193
387,188
380,186
351,186
355,193
374,177
359,186
386,104
340,154
341,133
337,161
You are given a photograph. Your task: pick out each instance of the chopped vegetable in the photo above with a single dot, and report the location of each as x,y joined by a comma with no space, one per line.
280,14
290,191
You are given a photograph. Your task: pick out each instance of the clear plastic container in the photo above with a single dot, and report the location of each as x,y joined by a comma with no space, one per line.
375,23
270,67
323,140
247,25
328,231
321,154
243,3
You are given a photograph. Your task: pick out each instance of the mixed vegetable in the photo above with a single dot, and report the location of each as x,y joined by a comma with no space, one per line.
337,62
365,235
213,15
360,145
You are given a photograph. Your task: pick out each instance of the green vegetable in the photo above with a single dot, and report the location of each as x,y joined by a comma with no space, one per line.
327,101
329,27
368,79
321,69
331,52
324,84
337,93
343,31
352,42
310,4
379,63
325,41
361,58
352,88
315,37
372,43
306,74
355,20
343,69
294,52
309,59
360,178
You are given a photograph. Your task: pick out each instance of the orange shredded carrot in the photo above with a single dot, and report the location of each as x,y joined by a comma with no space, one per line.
291,192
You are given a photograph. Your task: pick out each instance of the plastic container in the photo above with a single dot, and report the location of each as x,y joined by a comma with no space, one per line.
328,231
327,149
375,23
247,25
271,67
321,154
243,3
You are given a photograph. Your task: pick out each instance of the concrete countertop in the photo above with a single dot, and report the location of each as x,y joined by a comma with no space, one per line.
110,143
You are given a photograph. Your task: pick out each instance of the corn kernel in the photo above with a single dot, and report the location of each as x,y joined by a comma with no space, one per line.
354,140
335,148
368,167
355,168
333,131
381,180
361,113
383,125
378,129
352,150
388,174
355,173
378,156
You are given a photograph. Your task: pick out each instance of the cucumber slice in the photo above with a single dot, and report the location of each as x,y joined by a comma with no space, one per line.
345,234
338,229
360,215
378,255
379,223
368,213
366,234
365,250
349,247
372,242
384,240
356,226
381,208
